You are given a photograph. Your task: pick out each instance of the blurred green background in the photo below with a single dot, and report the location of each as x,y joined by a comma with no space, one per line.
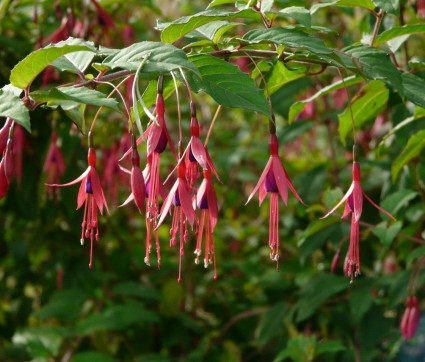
54,308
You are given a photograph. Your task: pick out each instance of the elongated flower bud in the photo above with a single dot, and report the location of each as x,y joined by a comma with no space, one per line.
335,260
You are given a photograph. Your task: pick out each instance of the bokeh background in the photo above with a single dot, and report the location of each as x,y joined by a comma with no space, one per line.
54,308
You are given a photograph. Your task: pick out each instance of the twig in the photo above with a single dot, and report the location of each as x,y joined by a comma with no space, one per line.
243,315
379,17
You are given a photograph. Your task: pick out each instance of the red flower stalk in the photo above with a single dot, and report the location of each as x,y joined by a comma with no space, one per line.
410,321
421,9
274,180
206,201
180,197
92,196
354,204
54,166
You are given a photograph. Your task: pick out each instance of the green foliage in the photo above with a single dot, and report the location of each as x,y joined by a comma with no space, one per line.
234,54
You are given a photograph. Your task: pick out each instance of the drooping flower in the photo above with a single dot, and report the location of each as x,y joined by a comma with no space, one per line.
335,260
137,182
206,201
19,143
4,134
54,166
196,152
410,320
4,184
91,195
179,196
274,180
354,204
157,140
421,9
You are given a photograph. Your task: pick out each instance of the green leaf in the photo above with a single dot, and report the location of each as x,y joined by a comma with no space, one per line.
390,6
314,293
367,4
215,30
288,37
414,89
76,114
413,148
279,75
397,31
387,233
365,106
361,300
180,27
227,84
91,357
74,62
116,317
299,349
329,347
300,14
40,342
64,305
11,106
376,64
70,97
134,289
394,202
271,323
417,62
416,253
219,2
162,58
23,74
298,107
266,5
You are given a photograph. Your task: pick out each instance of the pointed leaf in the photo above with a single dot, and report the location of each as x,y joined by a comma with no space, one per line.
397,31
300,14
367,4
227,84
70,97
288,37
414,147
414,89
75,63
26,70
11,106
180,27
161,58
376,64
370,101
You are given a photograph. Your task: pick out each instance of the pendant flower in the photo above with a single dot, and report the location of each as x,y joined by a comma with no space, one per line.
206,201
54,166
354,204
410,321
274,180
138,187
180,197
196,152
92,196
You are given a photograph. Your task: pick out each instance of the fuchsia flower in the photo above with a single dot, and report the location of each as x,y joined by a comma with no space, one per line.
196,152
410,321
157,139
137,181
354,204
206,201
421,9
92,196
274,180
180,197
54,166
